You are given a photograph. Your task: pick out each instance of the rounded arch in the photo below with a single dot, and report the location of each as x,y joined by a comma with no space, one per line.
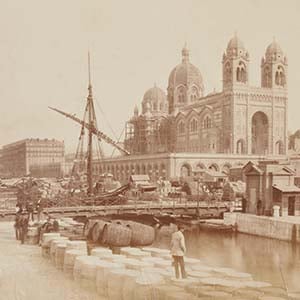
279,147
200,166
226,167
181,127
260,133
241,146
185,170
241,72
214,167
193,125
180,93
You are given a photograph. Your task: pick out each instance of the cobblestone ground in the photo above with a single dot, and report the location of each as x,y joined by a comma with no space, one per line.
25,275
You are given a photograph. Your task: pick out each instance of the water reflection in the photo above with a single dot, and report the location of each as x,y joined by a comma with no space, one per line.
269,260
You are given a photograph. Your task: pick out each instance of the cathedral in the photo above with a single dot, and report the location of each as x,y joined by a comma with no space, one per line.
240,119
183,131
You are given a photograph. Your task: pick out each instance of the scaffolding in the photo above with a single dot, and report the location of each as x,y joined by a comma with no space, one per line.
149,135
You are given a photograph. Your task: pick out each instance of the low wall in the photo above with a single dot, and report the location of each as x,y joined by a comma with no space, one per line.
264,226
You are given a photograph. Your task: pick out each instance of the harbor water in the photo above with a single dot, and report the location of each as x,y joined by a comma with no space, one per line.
270,260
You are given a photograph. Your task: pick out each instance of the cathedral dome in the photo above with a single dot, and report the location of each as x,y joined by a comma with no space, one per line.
236,47
156,99
273,49
186,73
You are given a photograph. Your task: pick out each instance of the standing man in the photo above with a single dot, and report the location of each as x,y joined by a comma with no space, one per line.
24,227
178,250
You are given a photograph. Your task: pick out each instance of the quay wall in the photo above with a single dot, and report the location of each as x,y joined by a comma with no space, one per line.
270,227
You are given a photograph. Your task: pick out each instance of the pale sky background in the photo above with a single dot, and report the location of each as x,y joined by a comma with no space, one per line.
133,43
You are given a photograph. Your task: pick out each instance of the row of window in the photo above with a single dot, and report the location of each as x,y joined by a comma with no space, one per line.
207,123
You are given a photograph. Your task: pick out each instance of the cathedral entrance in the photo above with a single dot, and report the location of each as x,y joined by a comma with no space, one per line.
260,131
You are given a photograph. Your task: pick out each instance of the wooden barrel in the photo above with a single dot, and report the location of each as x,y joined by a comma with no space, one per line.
60,255
116,281
116,235
87,229
69,260
103,269
97,231
142,235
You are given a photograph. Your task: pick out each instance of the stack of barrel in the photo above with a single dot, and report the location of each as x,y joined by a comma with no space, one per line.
119,233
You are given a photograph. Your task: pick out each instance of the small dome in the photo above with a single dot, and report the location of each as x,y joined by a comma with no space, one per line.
236,47
235,43
155,99
273,48
185,73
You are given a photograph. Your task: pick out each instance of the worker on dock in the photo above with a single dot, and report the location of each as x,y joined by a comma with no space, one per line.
178,250
18,225
24,227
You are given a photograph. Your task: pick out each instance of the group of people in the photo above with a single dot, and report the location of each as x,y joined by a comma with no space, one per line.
29,207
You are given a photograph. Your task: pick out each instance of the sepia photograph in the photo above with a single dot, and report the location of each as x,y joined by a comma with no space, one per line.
150,150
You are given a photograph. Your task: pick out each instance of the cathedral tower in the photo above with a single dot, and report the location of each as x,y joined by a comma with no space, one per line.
274,67
235,64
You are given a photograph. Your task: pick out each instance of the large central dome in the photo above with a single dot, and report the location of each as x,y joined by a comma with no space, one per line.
186,74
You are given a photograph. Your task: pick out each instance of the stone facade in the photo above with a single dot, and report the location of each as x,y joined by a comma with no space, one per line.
240,119
169,165
37,157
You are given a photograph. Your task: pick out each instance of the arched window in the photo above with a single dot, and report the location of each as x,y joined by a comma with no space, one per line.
227,72
267,77
241,74
154,106
181,95
181,127
240,146
194,94
279,147
193,125
280,76
207,122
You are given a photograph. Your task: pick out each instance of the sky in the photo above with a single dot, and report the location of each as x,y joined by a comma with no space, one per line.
133,44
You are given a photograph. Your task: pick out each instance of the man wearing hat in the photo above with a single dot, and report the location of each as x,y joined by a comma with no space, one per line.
178,250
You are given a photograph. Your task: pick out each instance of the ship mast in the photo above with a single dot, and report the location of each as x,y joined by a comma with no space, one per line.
91,121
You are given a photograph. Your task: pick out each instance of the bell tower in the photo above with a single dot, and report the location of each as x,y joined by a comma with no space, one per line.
274,67
235,64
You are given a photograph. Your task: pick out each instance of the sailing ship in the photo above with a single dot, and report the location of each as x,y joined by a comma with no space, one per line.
83,163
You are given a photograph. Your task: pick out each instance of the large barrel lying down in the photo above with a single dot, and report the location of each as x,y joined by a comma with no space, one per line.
97,230
116,235
142,235
87,229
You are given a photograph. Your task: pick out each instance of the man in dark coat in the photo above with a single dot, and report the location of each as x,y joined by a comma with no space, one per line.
24,227
18,225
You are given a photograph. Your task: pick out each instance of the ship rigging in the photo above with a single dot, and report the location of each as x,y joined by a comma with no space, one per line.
89,123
